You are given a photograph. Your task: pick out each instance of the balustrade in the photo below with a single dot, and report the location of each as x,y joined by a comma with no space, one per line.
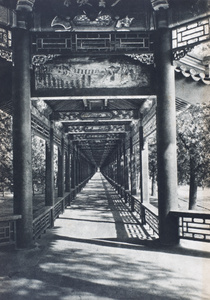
8,229
193,225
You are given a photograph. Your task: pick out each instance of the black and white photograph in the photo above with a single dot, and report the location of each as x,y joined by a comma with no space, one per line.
104,149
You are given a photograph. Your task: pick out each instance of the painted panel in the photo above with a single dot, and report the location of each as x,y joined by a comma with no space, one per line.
91,73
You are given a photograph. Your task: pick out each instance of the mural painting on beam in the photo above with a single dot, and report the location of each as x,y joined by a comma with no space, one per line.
92,115
91,73
98,137
99,128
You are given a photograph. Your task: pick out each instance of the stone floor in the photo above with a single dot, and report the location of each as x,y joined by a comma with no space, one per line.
98,250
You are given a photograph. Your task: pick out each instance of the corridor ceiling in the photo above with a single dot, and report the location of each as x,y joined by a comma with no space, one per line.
92,63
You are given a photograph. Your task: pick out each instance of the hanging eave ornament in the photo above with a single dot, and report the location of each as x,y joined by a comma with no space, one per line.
25,5
158,4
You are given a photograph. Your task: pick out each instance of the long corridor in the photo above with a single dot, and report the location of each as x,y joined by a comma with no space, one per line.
98,250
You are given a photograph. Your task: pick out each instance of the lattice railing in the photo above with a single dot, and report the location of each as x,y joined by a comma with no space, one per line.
151,218
46,219
42,222
137,206
8,229
193,225
128,197
58,209
146,212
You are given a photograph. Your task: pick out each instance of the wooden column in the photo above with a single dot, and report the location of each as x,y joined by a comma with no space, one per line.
23,204
50,184
144,167
166,135
68,168
73,167
125,168
132,166
77,167
61,169
118,156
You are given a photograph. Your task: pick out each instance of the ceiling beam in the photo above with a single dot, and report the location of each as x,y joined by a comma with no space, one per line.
126,97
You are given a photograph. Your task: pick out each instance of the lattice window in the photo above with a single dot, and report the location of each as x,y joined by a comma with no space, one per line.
191,34
53,44
132,41
92,42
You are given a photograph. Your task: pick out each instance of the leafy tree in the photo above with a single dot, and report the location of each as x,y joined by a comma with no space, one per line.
6,177
38,163
152,147
153,167
193,144
56,165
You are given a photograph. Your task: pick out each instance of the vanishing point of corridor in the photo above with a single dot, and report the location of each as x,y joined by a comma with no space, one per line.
98,250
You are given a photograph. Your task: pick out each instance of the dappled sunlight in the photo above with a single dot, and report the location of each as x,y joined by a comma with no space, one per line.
99,251
101,273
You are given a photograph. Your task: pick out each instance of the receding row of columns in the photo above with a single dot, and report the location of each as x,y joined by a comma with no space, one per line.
166,143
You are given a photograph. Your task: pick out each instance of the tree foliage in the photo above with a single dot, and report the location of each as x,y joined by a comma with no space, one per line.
193,145
38,163
6,177
152,147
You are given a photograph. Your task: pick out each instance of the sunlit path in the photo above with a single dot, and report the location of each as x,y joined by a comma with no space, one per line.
98,212
97,250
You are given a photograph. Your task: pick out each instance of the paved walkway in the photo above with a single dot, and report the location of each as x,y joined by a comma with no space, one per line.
97,250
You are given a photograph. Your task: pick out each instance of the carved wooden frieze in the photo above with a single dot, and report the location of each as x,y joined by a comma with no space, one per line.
96,116
145,58
123,114
95,128
99,137
6,44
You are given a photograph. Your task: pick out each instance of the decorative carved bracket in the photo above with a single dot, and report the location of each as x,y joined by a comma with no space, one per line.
145,58
38,60
6,54
66,24
180,53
